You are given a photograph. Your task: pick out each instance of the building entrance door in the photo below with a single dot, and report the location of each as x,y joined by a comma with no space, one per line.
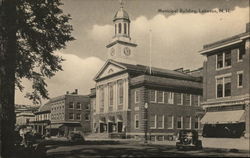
119,127
111,127
103,127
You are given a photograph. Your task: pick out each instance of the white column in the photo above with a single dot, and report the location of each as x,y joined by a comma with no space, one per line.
125,94
115,96
106,98
97,103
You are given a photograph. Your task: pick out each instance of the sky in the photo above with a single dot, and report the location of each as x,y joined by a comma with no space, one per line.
177,37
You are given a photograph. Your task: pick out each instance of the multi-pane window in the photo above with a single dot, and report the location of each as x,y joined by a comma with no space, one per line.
195,99
71,116
71,105
170,122
78,105
78,116
111,94
160,96
220,60
227,83
223,87
240,79
219,87
152,121
152,95
188,99
170,97
87,117
223,59
87,106
160,121
179,121
187,122
136,96
240,54
196,122
120,92
136,121
179,98
227,58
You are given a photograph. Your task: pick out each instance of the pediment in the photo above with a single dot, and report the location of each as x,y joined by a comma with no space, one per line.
109,68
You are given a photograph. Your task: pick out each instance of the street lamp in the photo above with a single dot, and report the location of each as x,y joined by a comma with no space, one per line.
146,123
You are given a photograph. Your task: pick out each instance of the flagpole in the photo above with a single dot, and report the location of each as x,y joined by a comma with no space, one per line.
150,51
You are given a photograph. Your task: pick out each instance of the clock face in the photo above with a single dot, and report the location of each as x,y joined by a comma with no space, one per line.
112,52
127,51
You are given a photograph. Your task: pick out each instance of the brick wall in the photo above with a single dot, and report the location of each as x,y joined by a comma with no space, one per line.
210,72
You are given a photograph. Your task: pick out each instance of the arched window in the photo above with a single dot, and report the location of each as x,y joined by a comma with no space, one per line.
115,29
125,28
120,28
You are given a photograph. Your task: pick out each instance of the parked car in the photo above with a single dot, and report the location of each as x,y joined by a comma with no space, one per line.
188,139
76,137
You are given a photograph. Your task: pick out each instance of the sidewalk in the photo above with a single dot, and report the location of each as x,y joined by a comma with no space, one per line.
221,143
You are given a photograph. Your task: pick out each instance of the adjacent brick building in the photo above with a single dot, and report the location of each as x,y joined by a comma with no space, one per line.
42,119
226,89
69,112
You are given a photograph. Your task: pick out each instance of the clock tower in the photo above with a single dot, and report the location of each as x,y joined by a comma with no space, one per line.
121,48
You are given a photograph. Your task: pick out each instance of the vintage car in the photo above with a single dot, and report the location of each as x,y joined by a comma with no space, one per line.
188,139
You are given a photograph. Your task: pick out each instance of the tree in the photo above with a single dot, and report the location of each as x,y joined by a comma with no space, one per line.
31,30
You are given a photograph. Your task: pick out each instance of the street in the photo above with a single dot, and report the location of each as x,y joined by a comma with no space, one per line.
134,149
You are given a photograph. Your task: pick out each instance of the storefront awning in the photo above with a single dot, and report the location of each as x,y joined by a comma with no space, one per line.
54,126
223,117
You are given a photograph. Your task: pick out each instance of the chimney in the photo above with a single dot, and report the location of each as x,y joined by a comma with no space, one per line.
76,91
248,27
